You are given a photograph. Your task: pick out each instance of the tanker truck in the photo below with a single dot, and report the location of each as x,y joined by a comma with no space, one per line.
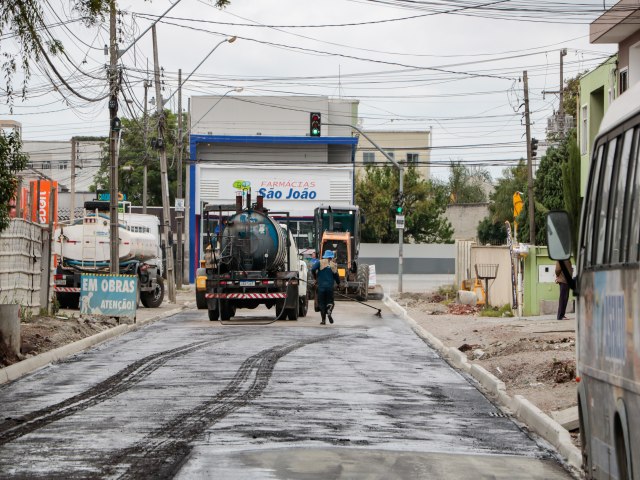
251,259
83,247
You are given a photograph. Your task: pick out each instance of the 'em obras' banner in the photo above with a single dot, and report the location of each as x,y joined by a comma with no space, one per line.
109,295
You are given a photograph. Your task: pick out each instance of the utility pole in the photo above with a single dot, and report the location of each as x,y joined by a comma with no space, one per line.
164,180
114,263
563,52
532,223
72,205
145,160
179,215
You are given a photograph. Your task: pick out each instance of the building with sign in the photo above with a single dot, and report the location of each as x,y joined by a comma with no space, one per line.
274,147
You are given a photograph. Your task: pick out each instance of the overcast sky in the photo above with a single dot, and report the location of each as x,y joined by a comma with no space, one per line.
451,66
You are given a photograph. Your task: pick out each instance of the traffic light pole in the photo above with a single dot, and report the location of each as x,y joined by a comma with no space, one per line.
400,194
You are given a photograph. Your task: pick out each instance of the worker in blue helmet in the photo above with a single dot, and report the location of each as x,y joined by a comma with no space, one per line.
326,273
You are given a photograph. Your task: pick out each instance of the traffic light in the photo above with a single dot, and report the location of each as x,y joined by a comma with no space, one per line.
399,205
534,147
315,124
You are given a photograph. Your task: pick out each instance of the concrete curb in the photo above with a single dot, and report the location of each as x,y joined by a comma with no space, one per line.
17,370
523,410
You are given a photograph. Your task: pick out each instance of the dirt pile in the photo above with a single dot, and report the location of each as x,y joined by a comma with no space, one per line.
534,357
43,333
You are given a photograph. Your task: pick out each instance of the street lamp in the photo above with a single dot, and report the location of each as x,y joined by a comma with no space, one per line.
226,40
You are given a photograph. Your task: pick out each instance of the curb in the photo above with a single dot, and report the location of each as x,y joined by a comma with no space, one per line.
20,369
523,409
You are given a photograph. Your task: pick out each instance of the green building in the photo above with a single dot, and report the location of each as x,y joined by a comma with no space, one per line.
597,91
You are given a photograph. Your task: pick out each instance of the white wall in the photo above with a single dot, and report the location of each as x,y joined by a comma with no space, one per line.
268,116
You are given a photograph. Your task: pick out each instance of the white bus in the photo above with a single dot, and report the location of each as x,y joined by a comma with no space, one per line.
607,286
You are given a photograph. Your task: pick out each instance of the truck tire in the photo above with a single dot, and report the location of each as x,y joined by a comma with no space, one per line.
303,306
68,300
201,301
153,299
292,313
213,315
226,310
363,282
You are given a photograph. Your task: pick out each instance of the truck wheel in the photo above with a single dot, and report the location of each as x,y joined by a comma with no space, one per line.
68,300
292,313
226,310
201,301
303,306
213,315
153,299
363,282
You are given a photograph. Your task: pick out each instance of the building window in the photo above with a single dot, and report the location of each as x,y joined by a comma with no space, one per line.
368,157
62,166
624,80
391,154
584,134
46,165
413,158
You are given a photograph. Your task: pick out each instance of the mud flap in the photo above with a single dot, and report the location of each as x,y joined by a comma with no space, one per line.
292,297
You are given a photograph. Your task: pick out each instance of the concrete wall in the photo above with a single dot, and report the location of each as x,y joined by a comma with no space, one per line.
20,263
500,289
465,218
269,115
541,293
417,258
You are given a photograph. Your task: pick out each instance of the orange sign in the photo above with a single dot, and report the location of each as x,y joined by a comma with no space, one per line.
42,204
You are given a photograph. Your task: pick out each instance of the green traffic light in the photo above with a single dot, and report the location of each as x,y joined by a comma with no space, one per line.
399,210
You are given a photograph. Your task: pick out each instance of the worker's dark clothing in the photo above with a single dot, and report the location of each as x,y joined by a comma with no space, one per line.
564,289
325,273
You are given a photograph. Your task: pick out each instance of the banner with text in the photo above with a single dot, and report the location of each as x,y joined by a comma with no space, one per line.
110,295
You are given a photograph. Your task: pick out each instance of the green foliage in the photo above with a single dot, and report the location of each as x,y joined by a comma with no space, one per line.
570,96
548,192
133,155
571,187
490,233
25,21
12,160
425,205
492,229
466,184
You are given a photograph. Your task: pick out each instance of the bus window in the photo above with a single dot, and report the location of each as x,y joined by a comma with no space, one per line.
586,253
603,192
618,195
634,211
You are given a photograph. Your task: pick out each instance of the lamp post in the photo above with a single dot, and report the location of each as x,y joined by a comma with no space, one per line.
400,194
187,202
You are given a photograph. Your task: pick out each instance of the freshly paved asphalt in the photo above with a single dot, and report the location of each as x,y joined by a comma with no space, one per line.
188,398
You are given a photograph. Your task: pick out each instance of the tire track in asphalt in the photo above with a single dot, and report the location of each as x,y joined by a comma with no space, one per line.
14,428
162,452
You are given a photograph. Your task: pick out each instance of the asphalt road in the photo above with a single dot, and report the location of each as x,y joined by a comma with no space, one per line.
186,398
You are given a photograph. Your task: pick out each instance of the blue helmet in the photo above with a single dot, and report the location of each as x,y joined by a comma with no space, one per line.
328,254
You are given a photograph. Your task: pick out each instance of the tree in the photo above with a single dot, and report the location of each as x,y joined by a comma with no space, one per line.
26,22
571,186
570,96
548,192
425,202
467,184
12,160
131,160
492,229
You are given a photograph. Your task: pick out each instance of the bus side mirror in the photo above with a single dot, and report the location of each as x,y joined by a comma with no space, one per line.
559,235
